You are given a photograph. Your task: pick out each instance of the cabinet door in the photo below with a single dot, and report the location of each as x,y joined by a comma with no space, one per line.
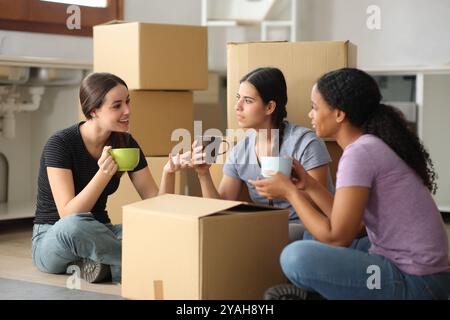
433,98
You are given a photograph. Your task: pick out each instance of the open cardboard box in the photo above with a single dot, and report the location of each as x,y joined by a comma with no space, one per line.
181,247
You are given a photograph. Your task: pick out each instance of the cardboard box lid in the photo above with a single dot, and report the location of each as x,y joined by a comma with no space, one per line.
185,207
288,42
138,23
115,21
257,41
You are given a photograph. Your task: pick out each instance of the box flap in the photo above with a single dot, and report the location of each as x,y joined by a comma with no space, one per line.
285,41
250,42
182,206
115,21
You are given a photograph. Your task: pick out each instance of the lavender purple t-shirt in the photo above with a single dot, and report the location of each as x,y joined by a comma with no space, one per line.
402,220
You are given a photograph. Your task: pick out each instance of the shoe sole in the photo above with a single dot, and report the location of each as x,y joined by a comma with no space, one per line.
285,292
93,272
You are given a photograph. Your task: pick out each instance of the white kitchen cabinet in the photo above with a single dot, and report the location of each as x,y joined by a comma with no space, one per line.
431,88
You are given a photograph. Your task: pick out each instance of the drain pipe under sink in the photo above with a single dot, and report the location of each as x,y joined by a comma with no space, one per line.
8,108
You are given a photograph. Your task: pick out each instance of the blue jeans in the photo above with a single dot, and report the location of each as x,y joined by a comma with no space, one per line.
351,273
73,237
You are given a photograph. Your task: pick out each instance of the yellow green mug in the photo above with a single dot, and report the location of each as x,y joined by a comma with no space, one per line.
126,158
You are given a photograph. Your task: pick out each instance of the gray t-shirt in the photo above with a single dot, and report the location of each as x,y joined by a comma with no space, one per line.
298,142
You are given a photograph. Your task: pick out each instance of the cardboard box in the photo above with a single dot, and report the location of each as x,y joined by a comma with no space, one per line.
180,247
212,116
154,117
213,94
126,193
302,64
153,56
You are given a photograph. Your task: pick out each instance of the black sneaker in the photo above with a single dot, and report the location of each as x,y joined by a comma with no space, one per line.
288,291
92,271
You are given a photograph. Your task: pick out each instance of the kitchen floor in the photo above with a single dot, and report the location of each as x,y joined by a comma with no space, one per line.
16,264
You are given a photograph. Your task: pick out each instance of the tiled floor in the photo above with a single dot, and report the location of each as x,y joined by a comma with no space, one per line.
15,260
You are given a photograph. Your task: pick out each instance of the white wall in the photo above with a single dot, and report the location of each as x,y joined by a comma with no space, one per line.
58,109
18,154
413,32
164,11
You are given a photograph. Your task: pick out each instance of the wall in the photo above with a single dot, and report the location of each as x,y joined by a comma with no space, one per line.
18,153
163,11
413,32
58,110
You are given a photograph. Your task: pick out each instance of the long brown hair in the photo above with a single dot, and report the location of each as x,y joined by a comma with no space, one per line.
93,90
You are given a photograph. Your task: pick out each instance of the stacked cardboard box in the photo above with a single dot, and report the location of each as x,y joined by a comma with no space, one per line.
302,64
162,64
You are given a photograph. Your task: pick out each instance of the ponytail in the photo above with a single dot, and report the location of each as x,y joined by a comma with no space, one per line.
389,124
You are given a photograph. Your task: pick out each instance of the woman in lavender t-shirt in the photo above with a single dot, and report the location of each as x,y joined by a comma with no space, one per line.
384,181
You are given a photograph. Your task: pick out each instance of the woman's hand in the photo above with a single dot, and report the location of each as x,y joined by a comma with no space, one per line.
198,161
106,163
175,163
300,178
278,186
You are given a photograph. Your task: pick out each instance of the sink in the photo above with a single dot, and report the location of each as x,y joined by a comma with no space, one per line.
14,74
44,76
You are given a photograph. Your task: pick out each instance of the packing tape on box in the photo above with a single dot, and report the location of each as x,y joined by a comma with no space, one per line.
158,289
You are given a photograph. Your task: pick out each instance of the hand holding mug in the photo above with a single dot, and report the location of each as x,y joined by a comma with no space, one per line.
106,163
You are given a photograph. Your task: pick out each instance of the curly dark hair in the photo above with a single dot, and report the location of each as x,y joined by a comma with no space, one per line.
271,85
357,94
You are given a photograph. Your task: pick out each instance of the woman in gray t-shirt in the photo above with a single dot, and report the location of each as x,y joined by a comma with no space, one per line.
261,106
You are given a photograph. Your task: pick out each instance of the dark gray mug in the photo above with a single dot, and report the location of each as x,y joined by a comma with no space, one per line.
211,146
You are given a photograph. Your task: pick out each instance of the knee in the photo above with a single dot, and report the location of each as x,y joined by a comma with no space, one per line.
298,257
72,225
